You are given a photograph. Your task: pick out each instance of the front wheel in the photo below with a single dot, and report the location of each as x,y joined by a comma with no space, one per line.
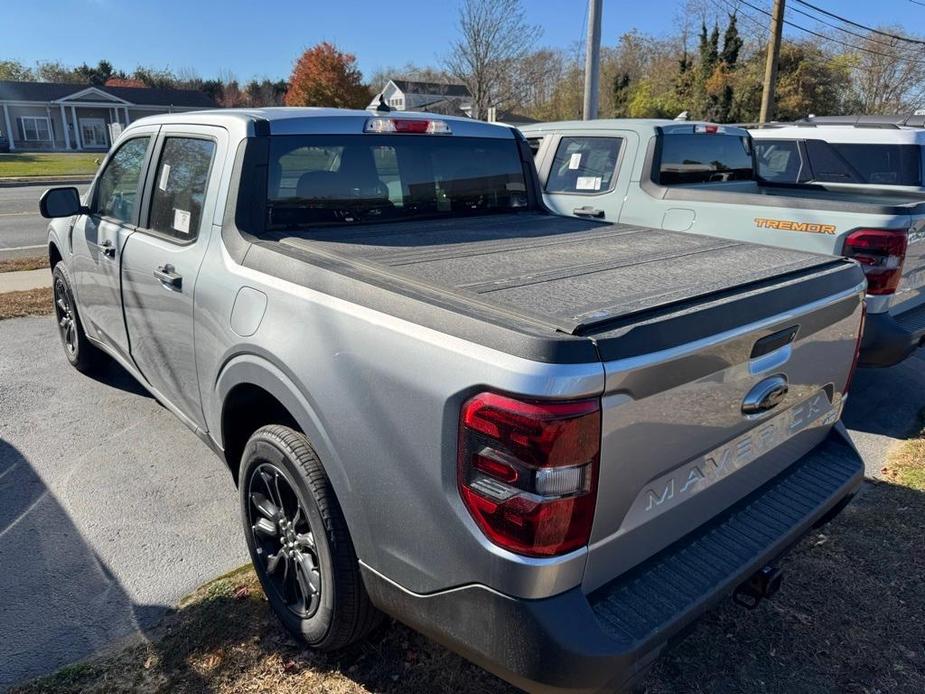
299,543
81,354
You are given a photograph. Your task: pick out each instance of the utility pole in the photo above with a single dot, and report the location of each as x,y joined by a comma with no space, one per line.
593,59
770,67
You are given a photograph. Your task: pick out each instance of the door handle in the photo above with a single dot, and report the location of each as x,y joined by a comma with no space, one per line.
588,211
167,276
108,249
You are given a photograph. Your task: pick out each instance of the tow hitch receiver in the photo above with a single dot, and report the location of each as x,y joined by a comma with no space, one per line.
763,584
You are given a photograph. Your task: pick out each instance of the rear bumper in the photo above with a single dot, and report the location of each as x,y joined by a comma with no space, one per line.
889,339
608,639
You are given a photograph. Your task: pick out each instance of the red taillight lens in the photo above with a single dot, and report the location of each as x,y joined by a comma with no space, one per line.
881,253
527,471
857,350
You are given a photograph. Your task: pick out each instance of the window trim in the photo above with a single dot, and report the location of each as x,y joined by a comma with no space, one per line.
148,199
617,165
145,165
25,135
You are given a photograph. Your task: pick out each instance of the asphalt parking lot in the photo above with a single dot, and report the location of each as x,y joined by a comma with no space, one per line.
111,510
22,231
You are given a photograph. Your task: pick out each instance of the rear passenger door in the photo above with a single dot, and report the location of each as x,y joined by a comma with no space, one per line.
161,261
581,175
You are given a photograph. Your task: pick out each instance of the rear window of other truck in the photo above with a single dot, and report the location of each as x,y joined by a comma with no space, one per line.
878,164
704,158
348,179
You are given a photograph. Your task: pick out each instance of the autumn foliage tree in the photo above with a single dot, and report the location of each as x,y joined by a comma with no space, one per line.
324,76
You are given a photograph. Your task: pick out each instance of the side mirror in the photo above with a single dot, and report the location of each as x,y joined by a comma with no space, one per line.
60,202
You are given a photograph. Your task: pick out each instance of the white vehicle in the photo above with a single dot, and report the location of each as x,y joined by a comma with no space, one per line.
881,151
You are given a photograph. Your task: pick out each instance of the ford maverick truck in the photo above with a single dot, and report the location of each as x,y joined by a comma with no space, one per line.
701,178
548,443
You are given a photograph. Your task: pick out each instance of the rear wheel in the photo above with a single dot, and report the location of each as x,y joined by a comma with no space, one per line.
298,541
82,355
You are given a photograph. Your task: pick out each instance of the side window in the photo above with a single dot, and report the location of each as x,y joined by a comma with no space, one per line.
584,165
117,190
779,161
828,165
181,180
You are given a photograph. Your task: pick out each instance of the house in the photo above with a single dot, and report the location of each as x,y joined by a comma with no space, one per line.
411,95
44,116
434,97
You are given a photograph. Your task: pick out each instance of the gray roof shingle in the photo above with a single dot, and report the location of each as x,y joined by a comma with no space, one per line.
146,96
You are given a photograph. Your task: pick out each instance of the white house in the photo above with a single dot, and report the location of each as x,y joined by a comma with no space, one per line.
410,95
44,116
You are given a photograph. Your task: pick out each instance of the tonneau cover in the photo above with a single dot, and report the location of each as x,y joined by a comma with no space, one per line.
570,274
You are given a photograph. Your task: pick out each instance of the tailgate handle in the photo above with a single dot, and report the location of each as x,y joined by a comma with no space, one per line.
774,341
588,211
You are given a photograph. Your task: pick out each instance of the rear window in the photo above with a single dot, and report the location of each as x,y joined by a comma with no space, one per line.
584,165
779,161
878,164
349,179
704,158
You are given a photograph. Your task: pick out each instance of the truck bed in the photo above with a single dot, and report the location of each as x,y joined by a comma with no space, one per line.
571,275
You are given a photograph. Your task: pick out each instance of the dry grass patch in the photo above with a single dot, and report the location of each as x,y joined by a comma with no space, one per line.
850,618
31,302
19,264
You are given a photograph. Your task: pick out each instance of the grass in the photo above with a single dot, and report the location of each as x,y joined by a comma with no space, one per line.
27,263
850,618
48,164
31,302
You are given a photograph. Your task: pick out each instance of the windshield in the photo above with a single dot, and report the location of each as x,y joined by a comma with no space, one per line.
704,158
349,179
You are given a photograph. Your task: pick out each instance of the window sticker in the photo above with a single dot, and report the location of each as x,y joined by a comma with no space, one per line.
165,174
588,183
181,220
575,161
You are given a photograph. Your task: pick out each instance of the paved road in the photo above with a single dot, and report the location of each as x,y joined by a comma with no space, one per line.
21,227
110,509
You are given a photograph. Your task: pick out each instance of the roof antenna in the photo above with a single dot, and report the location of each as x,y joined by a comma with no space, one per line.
682,116
382,107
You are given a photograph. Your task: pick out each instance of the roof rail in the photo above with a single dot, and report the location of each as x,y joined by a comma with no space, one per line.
915,120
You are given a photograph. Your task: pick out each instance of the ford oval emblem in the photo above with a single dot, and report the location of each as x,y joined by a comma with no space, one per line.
766,395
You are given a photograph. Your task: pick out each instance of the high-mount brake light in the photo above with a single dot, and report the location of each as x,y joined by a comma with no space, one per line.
881,253
414,126
709,129
527,471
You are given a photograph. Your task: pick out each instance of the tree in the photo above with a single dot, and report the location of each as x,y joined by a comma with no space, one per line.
57,72
495,39
888,78
324,76
620,89
15,71
97,75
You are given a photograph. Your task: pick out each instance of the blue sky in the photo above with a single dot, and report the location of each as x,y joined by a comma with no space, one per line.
254,39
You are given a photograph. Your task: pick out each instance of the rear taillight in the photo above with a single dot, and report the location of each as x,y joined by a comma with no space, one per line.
857,350
527,471
881,253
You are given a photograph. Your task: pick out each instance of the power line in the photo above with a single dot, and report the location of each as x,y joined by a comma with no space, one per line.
859,26
829,38
842,29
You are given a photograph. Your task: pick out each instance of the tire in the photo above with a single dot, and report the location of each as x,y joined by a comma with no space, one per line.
285,498
80,352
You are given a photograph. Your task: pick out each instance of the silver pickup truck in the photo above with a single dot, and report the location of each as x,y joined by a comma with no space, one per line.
701,178
442,402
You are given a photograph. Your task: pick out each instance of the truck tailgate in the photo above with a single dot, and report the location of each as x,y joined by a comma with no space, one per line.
679,444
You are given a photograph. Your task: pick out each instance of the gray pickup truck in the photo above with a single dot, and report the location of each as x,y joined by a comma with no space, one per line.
442,402
702,178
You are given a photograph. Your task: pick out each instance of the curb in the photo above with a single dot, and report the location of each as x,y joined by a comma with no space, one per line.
15,181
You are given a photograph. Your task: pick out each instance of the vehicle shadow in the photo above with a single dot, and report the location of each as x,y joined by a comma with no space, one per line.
847,618
888,401
58,602
113,375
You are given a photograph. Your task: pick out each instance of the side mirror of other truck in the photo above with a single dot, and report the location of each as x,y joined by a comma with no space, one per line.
60,202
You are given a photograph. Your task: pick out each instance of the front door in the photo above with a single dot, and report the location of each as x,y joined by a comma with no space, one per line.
93,132
162,259
99,237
